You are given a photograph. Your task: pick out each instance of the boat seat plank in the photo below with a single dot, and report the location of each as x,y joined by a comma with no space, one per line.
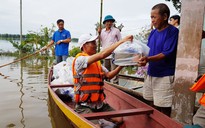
118,113
130,77
61,86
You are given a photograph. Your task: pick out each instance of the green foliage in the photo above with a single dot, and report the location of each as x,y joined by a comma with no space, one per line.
23,47
34,40
74,51
129,70
177,4
143,34
97,25
40,39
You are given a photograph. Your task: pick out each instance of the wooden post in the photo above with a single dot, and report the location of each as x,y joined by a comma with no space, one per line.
188,56
20,21
101,10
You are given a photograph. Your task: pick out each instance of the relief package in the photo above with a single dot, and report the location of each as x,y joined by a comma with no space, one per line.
128,53
62,72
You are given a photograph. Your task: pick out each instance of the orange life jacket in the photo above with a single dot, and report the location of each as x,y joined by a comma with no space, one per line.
202,100
200,86
88,87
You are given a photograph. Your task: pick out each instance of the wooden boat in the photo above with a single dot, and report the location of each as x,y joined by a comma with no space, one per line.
131,85
135,113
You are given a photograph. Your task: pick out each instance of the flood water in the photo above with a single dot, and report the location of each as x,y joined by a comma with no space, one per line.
25,101
23,93
24,96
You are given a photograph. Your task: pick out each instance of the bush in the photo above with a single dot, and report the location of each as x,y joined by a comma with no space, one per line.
74,51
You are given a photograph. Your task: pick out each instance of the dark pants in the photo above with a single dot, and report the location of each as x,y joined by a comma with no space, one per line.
83,110
61,58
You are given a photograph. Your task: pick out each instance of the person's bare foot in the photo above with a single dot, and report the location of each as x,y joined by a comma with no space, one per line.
97,125
117,120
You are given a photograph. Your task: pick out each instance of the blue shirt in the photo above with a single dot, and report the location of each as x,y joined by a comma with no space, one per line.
164,42
62,48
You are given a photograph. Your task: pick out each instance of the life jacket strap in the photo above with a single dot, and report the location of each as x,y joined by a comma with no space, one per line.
87,76
88,91
89,83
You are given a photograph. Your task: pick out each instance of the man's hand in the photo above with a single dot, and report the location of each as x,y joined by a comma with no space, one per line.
44,48
128,38
99,30
142,61
60,41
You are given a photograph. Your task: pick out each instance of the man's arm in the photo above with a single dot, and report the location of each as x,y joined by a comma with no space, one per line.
48,45
106,52
68,40
157,57
113,73
143,61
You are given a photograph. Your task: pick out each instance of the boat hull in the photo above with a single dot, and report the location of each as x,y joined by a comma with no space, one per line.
135,114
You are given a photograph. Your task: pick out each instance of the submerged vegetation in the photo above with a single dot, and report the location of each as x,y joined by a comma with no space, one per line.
34,40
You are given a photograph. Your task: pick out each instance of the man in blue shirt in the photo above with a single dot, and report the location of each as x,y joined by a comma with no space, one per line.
162,57
61,38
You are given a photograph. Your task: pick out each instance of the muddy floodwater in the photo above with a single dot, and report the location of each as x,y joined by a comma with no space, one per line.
24,101
24,94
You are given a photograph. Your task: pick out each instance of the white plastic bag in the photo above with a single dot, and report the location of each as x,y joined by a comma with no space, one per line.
57,68
62,72
129,52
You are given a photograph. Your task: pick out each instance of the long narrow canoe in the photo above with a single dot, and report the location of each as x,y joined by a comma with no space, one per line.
135,113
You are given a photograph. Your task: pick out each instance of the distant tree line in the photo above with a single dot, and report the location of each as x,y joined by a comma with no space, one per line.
17,36
11,36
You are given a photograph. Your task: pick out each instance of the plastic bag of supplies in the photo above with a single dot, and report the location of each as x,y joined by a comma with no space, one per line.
127,53
62,72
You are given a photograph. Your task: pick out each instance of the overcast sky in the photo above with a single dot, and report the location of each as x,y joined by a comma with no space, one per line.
79,15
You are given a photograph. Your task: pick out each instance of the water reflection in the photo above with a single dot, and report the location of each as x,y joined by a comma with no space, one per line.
21,97
24,105
58,119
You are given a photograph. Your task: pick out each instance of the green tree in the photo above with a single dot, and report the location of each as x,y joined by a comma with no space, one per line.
74,51
143,34
177,4
22,47
34,40
40,39
46,34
